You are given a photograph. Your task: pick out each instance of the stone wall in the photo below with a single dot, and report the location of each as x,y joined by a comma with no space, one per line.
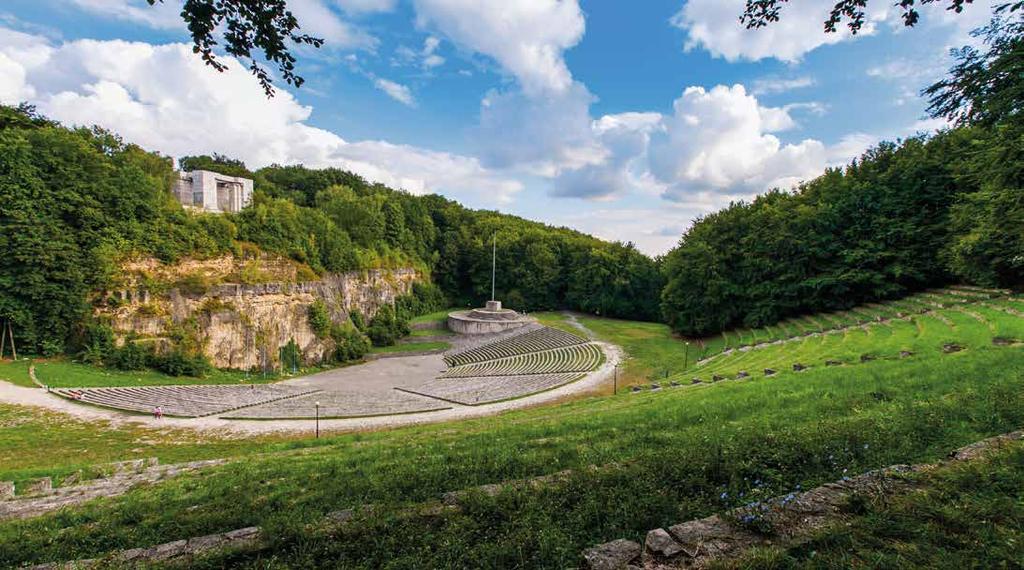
244,325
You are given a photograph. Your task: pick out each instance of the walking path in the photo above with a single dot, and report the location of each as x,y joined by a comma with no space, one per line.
379,375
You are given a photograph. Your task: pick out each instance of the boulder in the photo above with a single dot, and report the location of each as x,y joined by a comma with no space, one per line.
799,367
769,372
614,555
655,386
673,384
717,378
695,381
635,389
833,363
661,543
742,374
951,347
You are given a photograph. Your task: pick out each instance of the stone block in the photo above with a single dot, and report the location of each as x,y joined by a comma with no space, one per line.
614,555
661,543
833,363
695,381
951,348
43,485
742,374
798,367
769,372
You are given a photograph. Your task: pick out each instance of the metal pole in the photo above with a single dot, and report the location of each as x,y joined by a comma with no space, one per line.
615,387
318,420
14,351
494,261
686,356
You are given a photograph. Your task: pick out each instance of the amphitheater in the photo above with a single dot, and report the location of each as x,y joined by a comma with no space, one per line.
481,369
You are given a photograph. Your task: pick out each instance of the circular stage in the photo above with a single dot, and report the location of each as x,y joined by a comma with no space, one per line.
487,320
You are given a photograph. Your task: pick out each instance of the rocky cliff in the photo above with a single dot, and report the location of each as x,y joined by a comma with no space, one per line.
243,325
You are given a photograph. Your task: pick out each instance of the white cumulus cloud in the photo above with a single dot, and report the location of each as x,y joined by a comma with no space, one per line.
527,37
714,25
396,91
163,98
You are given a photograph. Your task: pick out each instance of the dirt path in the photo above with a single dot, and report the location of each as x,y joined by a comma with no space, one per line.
11,394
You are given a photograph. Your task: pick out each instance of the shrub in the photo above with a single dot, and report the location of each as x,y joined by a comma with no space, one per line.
319,319
358,320
386,327
178,363
349,343
290,355
131,356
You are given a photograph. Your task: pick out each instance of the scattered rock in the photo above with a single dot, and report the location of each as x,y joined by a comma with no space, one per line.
635,389
44,485
906,354
742,374
866,358
951,348
661,543
673,384
655,386
717,378
695,380
6,489
833,363
71,479
798,367
1002,341
614,555
769,372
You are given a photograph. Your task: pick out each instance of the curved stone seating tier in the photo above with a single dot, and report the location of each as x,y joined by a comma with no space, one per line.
182,401
577,358
471,343
340,405
535,340
489,389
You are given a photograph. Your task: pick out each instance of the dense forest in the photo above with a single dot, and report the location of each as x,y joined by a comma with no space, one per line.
75,202
905,216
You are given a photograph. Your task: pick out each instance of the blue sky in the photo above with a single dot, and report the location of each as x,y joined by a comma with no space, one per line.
623,119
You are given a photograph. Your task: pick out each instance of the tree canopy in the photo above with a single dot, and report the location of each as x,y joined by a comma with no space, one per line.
761,13
245,26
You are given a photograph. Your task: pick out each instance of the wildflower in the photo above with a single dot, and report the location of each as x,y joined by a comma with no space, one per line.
724,496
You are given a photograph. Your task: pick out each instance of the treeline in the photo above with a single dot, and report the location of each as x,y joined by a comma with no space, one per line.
75,202
906,216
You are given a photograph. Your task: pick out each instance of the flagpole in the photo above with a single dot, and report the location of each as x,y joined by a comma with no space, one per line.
494,261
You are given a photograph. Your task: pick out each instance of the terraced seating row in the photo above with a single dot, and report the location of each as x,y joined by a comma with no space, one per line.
966,324
576,358
543,338
340,405
799,327
472,343
473,391
182,401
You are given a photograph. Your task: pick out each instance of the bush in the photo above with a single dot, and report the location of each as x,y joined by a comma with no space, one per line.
350,344
131,356
358,320
319,319
290,355
386,327
178,363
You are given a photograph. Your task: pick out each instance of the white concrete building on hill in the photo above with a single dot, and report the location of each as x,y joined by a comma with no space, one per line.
212,192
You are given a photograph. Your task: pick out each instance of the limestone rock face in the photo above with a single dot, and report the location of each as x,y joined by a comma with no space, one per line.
244,325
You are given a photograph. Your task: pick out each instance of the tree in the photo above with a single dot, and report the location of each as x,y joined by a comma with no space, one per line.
761,13
247,25
984,87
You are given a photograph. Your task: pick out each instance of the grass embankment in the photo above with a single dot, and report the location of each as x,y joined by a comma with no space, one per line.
556,321
960,516
651,348
60,373
664,457
437,318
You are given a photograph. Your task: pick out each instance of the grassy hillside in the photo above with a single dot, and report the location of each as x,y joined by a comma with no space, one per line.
638,461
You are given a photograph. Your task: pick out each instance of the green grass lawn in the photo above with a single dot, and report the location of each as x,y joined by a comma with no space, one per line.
665,457
60,373
410,347
430,332
556,320
652,349
439,317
